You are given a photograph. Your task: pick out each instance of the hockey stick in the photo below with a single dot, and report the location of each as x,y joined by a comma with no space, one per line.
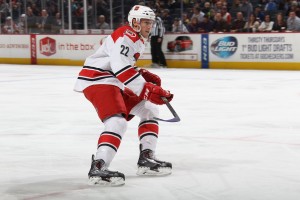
176,117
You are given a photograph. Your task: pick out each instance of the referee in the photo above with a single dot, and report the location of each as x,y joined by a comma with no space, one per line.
157,32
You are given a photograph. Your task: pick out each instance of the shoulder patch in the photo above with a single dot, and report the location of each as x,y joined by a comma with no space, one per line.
130,33
125,30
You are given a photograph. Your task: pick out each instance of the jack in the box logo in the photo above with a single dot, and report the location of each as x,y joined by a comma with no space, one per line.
47,46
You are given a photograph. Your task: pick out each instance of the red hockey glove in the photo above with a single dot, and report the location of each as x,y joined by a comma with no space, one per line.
154,93
150,77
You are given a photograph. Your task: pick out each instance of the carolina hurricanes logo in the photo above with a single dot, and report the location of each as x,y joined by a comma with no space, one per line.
136,56
130,33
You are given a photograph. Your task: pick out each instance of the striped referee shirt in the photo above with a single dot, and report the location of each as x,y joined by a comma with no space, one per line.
158,28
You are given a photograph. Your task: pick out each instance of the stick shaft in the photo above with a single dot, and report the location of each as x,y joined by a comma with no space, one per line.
176,117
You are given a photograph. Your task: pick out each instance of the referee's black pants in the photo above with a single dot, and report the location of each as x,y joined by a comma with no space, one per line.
158,56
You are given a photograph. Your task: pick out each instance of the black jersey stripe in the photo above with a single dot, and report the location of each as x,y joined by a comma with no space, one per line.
148,134
97,69
132,78
122,70
108,145
112,133
95,79
148,121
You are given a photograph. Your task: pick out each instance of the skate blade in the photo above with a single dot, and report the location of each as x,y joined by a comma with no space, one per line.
113,181
161,171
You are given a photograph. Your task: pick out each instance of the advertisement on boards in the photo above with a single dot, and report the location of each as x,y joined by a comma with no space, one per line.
273,47
12,45
178,47
67,47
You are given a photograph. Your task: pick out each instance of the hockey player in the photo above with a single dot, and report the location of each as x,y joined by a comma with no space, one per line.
119,91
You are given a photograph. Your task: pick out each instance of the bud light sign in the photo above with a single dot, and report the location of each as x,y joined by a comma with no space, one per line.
224,47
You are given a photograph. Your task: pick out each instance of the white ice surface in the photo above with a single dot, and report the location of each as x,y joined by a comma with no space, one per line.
239,138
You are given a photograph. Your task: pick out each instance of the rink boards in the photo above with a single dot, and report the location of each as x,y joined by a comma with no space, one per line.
278,51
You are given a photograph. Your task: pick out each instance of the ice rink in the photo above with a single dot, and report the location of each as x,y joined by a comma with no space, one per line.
239,138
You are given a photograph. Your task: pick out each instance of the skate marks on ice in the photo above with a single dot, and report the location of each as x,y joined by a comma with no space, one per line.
48,189
136,187
68,188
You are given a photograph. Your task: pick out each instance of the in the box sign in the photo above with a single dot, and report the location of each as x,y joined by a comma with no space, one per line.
47,46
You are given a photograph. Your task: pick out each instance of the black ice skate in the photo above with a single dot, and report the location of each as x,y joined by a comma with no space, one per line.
149,165
100,175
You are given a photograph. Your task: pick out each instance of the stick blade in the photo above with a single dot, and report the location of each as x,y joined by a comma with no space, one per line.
175,119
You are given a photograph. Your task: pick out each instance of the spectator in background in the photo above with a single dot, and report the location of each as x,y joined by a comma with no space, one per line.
235,8
266,25
78,18
4,9
238,24
201,3
35,9
246,8
207,8
226,15
206,25
22,24
193,27
279,24
271,6
259,13
102,7
285,8
178,27
57,23
185,19
281,6
9,27
157,5
15,10
251,26
44,23
225,3
219,24
293,22
172,5
167,19
295,7
197,13
218,6
101,23
212,15
31,21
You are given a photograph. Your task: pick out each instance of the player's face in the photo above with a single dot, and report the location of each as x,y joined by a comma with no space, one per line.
146,25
